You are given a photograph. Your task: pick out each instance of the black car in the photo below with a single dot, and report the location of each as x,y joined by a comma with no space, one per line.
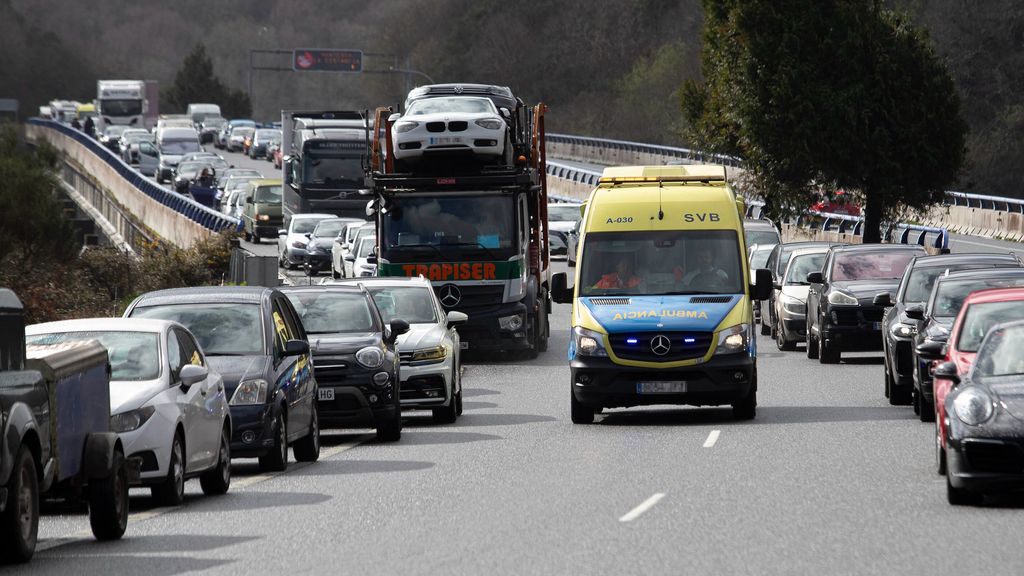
354,357
255,340
985,419
778,259
898,330
321,241
841,313
935,318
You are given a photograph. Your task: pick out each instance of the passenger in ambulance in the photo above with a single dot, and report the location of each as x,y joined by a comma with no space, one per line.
623,276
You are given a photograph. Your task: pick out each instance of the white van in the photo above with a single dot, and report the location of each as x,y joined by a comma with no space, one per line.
199,112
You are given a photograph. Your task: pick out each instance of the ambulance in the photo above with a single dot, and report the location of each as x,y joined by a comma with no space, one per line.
662,301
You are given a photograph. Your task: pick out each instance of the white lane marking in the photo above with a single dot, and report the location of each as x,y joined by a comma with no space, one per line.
712,438
149,514
643,507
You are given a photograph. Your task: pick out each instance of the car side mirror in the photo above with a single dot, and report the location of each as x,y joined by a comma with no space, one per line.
398,327
371,259
948,371
455,318
505,112
191,374
350,257
296,348
776,285
884,299
394,117
762,284
931,350
915,312
282,232
815,278
560,291
248,200
308,234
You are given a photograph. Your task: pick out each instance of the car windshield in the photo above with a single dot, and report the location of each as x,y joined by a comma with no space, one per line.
268,194
222,329
978,318
759,258
237,184
332,169
463,104
801,265
999,353
133,356
114,130
242,172
949,295
366,245
762,237
121,107
328,312
414,304
179,146
266,134
243,132
921,281
446,227
661,263
870,266
304,225
328,228
564,213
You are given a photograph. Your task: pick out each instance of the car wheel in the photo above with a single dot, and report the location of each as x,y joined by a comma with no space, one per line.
246,235
766,328
334,272
108,502
307,449
782,342
580,413
19,522
458,395
217,480
961,496
940,454
277,459
447,414
916,402
828,353
886,374
391,431
812,344
172,491
927,413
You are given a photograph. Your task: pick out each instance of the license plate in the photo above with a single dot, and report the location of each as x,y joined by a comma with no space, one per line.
448,140
463,345
326,394
876,325
669,387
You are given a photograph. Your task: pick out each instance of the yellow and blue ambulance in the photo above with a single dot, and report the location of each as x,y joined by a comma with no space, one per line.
662,302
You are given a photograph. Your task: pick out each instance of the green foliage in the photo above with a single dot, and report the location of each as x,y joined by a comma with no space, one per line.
827,94
195,82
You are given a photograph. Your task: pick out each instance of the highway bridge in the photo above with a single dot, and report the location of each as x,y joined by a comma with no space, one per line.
828,479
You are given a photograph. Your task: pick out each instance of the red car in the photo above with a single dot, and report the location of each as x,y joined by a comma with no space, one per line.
839,204
980,311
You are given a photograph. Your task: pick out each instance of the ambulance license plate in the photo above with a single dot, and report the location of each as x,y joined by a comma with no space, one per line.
326,394
661,387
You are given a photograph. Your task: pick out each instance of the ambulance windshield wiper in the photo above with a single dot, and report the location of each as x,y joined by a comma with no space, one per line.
685,293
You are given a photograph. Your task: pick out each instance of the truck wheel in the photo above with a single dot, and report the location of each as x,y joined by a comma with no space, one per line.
543,331
580,414
307,449
217,480
171,492
108,502
277,459
19,523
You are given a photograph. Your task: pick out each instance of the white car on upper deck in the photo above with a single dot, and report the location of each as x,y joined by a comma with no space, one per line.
450,124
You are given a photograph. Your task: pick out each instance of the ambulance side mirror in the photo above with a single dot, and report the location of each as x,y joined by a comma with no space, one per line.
560,291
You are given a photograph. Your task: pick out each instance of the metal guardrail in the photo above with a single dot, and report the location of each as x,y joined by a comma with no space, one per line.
202,215
670,152
985,202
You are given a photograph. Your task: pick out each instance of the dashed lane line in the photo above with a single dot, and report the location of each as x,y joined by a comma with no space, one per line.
712,438
643,507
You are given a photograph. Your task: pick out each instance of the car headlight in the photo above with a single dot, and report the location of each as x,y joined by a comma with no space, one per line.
974,406
511,323
588,343
249,393
793,305
733,339
298,244
130,420
435,354
402,127
490,123
370,357
841,298
901,330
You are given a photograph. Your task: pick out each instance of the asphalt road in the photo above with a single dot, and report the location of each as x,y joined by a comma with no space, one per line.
828,479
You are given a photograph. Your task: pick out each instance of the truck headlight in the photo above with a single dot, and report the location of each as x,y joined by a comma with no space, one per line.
974,406
250,392
901,330
263,217
130,420
511,323
435,354
370,357
587,342
733,339
405,126
841,298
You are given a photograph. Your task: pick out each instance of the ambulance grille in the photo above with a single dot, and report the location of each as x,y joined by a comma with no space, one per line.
609,301
710,299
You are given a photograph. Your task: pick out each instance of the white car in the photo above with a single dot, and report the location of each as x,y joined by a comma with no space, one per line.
449,124
791,302
169,409
292,242
340,248
430,351
357,263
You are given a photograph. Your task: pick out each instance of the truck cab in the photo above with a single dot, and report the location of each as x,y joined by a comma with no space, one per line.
662,302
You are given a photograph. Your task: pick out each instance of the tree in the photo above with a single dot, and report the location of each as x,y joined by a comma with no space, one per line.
827,94
196,82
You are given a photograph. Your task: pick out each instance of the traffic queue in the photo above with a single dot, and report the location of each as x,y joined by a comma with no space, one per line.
948,326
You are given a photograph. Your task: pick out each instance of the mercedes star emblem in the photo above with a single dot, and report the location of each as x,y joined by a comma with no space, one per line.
450,295
660,345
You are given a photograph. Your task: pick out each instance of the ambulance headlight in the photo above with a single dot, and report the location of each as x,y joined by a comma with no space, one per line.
588,343
733,339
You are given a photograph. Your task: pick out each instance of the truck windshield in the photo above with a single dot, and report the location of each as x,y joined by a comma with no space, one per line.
121,107
655,263
332,170
452,226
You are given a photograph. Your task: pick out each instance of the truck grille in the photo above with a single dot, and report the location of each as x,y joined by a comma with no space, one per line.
473,296
683,345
